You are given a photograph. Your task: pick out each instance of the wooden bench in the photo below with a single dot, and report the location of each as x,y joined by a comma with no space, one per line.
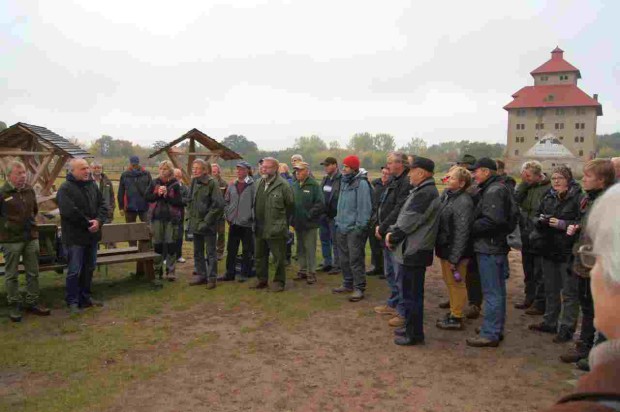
142,254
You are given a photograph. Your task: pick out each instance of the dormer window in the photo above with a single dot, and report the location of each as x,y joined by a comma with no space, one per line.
544,78
564,77
550,98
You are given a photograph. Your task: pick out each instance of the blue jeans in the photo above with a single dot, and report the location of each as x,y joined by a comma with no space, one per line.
493,272
391,270
412,280
81,262
327,234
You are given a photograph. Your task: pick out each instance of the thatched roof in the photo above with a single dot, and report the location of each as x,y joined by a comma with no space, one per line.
215,148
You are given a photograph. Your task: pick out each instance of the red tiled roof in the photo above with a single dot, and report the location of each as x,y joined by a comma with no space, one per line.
556,64
564,95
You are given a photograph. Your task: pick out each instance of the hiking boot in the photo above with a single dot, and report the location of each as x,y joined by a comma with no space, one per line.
444,305
534,311
397,321
259,284
472,312
564,335
324,268
334,271
583,364
406,341
543,327
74,309
301,276
356,296
342,289
450,323
92,303
501,335
226,278
480,342
38,309
197,280
15,313
574,354
211,284
311,279
523,305
277,287
400,331
385,310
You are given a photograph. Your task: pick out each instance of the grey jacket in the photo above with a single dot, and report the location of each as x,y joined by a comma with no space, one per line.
415,230
240,208
455,221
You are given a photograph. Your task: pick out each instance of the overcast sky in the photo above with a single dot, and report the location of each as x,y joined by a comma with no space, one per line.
276,70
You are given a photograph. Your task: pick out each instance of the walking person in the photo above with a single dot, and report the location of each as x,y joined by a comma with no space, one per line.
559,208
453,247
534,184
221,223
309,208
82,213
239,213
492,224
354,208
206,205
330,186
132,189
19,238
390,203
165,214
412,240
273,208
178,175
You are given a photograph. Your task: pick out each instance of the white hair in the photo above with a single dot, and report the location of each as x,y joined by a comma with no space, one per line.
15,164
534,166
604,229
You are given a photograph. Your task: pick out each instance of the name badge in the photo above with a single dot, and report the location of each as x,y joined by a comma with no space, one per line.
306,191
8,199
327,189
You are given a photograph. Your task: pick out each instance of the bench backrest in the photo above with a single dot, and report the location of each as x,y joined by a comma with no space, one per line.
124,232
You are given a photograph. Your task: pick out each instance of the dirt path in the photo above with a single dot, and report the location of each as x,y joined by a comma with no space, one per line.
346,361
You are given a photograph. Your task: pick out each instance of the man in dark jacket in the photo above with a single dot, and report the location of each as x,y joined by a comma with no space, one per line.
216,172
132,188
504,177
106,188
489,231
309,208
376,248
330,185
272,209
412,240
19,238
389,206
82,213
178,175
534,184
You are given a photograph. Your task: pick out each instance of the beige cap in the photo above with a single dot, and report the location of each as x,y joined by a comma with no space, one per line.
301,165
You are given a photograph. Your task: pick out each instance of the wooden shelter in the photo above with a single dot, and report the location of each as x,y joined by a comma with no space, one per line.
42,151
215,151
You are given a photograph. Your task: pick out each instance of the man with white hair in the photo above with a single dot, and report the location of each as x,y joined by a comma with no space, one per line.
599,390
82,213
19,238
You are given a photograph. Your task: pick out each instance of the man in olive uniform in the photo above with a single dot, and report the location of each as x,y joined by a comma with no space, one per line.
19,238
272,209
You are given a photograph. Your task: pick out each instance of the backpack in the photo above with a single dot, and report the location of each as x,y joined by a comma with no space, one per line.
514,214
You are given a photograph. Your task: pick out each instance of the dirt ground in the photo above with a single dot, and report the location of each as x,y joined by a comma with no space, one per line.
345,361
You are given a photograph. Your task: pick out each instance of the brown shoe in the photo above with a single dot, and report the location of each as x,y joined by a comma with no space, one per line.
211,284
574,354
197,280
260,284
472,312
385,310
534,311
480,342
38,310
277,287
397,322
311,279
301,276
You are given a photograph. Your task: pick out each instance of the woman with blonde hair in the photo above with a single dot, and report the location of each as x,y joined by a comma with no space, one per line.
452,246
165,211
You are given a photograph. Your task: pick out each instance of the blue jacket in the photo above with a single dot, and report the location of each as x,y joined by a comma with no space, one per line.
354,203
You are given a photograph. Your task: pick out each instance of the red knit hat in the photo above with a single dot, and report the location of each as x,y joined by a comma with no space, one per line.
352,161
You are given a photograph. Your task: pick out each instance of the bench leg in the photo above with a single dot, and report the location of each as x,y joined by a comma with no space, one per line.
145,268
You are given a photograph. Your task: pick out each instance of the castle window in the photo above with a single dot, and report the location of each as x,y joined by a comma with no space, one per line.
581,139
540,112
559,112
581,110
561,137
581,153
559,126
540,126
577,125
563,77
583,125
521,112
576,139
544,78
550,98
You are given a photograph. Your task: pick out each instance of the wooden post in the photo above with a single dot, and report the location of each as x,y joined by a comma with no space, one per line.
43,166
60,162
191,157
175,162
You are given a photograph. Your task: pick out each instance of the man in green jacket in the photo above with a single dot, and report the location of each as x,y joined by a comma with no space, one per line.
272,209
309,207
534,184
19,238
206,205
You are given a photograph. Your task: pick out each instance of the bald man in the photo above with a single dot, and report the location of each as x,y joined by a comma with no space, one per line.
82,213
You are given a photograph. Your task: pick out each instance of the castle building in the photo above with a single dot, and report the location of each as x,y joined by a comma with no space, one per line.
553,121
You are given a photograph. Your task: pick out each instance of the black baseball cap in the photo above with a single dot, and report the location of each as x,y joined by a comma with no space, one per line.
485,162
423,163
329,161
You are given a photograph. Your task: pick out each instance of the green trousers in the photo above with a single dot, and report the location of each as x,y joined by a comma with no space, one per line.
29,252
277,247
165,236
307,250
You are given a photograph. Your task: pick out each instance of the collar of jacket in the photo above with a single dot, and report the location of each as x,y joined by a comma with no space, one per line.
308,182
277,181
72,179
593,194
484,185
203,180
395,179
451,194
427,182
336,175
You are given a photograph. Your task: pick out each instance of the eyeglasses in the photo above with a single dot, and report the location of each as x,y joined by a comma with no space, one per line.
587,256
